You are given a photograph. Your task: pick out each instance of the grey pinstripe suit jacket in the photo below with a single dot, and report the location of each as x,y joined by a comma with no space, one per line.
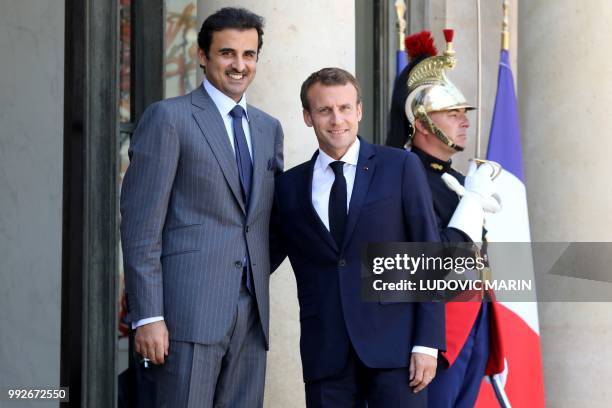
184,228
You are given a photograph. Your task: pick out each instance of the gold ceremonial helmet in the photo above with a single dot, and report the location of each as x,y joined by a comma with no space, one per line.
429,90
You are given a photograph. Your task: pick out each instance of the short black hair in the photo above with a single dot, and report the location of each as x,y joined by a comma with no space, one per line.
328,77
230,17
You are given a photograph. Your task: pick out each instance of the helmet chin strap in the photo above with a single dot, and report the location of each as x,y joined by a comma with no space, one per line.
422,115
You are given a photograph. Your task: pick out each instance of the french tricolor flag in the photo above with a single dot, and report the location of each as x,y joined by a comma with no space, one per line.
522,380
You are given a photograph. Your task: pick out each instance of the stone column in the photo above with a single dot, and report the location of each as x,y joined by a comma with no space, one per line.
299,38
31,139
565,91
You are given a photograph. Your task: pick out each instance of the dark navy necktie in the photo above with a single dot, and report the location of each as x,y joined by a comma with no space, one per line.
243,158
337,203
245,169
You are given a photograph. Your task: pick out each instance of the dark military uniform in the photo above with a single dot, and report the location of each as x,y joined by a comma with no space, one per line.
445,200
467,357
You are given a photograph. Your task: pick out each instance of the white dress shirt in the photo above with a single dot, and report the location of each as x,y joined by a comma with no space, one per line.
224,104
322,180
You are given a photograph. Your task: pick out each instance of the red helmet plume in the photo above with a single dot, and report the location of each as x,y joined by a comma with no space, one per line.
420,45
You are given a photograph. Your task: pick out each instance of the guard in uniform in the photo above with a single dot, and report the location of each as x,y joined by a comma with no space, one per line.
435,128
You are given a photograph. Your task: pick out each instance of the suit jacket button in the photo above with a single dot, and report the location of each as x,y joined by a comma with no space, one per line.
342,263
247,229
238,265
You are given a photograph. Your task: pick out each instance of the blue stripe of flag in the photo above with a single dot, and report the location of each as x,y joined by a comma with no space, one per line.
401,61
505,137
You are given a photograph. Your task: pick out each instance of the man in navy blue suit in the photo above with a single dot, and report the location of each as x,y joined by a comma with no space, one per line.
350,193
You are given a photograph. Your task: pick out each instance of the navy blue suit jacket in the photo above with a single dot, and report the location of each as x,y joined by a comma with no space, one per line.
391,202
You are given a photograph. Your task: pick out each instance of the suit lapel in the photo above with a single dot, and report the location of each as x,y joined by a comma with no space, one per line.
259,157
366,165
306,201
211,124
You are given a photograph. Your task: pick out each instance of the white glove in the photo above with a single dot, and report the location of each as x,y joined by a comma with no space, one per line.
479,184
469,217
478,181
478,196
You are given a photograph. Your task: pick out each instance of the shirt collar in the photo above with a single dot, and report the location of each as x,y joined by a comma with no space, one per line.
432,163
223,102
350,157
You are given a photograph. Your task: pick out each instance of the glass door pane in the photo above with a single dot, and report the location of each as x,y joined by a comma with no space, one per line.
126,127
180,47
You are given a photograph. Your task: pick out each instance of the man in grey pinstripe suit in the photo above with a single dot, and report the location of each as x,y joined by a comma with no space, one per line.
195,208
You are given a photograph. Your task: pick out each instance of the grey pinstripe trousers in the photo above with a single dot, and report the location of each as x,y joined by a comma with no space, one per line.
230,373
